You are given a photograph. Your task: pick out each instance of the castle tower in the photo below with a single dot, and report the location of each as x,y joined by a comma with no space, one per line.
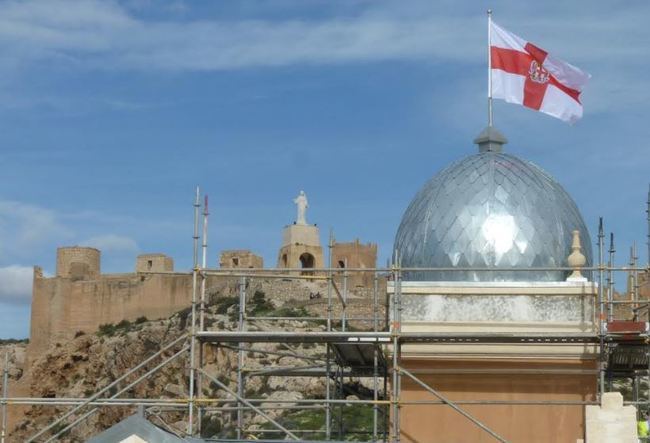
78,263
301,246
154,263
356,255
240,258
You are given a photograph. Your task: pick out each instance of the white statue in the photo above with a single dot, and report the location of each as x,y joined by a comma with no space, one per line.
302,205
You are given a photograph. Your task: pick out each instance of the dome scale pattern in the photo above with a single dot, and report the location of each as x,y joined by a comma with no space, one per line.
490,210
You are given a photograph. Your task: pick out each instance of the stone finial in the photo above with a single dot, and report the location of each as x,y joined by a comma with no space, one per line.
576,259
490,140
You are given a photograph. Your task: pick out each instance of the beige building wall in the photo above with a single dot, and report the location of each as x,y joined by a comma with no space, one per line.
515,423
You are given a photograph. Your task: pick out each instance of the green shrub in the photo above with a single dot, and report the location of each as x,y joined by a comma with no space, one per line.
225,303
107,329
210,426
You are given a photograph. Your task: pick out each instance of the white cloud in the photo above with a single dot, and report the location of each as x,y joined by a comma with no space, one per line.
101,34
25,227
112,243
107,35
16,284
31,232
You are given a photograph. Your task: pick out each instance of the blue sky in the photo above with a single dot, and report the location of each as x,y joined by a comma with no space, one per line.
111,112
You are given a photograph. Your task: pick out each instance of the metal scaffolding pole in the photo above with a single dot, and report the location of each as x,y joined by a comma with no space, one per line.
204,264
345,295
635,280
375,361
610,279
5,386
174,404
601,329
328,350
648,241
395,332
284,273
240,356
195,274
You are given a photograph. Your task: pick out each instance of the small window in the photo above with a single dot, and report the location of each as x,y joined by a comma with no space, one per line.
235,262
341,264
149,264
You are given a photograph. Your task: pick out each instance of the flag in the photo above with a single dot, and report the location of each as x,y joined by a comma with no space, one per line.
525,74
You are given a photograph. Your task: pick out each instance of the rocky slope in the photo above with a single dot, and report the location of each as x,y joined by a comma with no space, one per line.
79,368
14,350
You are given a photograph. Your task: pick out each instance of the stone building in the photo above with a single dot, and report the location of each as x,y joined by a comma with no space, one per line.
240,258
154,263
494,211
355,255
80,298
301,247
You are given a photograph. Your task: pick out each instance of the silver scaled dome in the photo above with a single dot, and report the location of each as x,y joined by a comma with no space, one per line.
490,210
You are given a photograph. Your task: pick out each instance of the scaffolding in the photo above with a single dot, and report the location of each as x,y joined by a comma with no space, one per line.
372,352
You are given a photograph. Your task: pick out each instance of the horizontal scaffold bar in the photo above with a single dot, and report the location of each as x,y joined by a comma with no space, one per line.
404,337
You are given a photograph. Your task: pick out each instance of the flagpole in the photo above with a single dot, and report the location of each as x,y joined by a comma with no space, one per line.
489,14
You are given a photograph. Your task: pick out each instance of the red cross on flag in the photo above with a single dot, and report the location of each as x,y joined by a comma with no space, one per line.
524,74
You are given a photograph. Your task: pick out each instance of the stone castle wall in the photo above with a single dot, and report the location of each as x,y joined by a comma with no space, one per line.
61,306
80,299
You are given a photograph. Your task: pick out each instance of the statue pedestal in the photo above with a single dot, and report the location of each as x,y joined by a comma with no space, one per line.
300,247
